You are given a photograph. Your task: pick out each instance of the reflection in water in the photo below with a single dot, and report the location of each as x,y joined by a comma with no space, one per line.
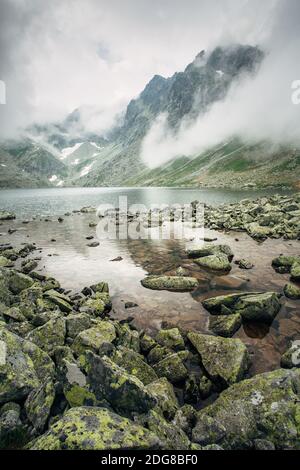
76,265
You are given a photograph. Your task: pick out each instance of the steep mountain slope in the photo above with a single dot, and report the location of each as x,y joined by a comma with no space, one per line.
25,163
185,95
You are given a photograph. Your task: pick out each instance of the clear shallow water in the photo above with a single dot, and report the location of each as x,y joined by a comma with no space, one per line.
56,201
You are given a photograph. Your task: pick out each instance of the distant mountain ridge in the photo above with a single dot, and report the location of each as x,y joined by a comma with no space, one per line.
91,160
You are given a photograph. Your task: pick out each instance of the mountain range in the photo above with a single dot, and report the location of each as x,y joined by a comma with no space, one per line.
62,154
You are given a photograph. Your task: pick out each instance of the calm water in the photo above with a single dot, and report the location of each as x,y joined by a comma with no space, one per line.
57,201
65,255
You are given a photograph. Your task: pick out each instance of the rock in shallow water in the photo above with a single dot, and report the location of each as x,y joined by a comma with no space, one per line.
225,325
171,283
87,428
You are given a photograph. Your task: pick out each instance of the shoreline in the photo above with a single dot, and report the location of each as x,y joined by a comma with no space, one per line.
97,365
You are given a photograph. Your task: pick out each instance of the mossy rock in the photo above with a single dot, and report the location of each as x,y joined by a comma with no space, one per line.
4,262
258,307
263,407
185,418
210,250
17,371
224,360
170,435
76,323
50,335
134,364
127,337
291,291
295,272
171,338
157,354
218,262
96,339
62,301
285,261
98,305
75,386
13,433
171,283
147,343
38,405
86,428
163,391
172,368
225,325
18,282
291,358
126,393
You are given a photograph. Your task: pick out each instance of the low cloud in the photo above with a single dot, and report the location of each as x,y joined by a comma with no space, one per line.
255,109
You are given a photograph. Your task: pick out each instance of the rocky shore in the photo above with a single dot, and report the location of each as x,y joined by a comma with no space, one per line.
74,377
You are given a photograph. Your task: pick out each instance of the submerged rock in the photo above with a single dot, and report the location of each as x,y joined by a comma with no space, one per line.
224,360
87,428
171,283
263,407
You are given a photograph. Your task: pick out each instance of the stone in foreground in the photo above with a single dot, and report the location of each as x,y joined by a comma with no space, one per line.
87,428
171,283
225,360
263,407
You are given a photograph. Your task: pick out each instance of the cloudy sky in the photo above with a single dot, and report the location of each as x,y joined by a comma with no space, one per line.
61,54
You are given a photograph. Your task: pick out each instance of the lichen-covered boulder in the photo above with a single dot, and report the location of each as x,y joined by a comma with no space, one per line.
157,354
43,364
171,338
12,431
285,261
252,306
186,418
17,372
50,335
98,305
210,250
147,343
38,405
87,428
75,386
76,323
218,262
97,339
225,360
62,301
295,272
263,407
291,291
127,337
258,307
291,358
225,325
17,282
171,436
163,391
171,283
124,392
134,364
171,367
5,262
258,232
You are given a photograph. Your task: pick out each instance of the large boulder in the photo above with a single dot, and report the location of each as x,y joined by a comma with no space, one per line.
17,370
38,405
172,367
218,262
134,364
87,428
163,391
266,406
50,335
224,360
252,306
97,339
126,393
76,323
171,283
171,338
